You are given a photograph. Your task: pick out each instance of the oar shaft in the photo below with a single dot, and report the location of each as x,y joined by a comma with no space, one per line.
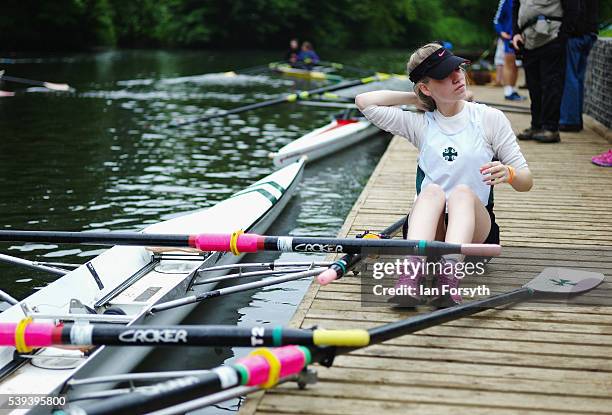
244,243
32,265
22,80
423,321
287,98
232,290
96,238
35,334
253,370
347,262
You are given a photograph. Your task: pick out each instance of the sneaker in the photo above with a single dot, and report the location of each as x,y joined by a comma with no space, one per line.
409,283
546,136
603,159
570,128
528,134
515,97
446,282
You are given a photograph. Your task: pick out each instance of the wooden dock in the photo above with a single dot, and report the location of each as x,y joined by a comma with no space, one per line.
530,358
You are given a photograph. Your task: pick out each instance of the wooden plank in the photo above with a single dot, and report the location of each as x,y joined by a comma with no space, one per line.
437,396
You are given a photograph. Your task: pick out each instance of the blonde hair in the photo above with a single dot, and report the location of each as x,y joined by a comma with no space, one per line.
415,60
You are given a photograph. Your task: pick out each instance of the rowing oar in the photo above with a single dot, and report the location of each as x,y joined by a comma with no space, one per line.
26,335
287,98
341,66
246,71
239,243
32,265
337,269
266,367
197,298
48,85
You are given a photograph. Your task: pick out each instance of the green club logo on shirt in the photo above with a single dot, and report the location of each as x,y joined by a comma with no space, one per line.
449,154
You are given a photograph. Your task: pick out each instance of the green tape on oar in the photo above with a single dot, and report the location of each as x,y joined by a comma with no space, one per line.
244,373
422,248
351,338
277,336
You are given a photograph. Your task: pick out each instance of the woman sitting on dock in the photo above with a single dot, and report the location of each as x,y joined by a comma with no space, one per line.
459,143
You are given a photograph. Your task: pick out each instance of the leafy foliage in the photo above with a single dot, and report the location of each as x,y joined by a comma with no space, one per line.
81,24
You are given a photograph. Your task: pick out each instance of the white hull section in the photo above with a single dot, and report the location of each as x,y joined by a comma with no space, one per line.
324,141
252,209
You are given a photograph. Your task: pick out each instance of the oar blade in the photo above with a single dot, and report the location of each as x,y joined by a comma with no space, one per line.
565,281
56,87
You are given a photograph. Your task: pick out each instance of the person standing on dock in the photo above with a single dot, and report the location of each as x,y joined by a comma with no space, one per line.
307,57
578,46
459,143
540,30
503,27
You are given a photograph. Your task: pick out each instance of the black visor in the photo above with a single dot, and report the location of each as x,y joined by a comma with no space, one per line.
438,65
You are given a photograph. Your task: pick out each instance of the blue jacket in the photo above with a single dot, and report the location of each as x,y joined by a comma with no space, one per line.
309,57
503,18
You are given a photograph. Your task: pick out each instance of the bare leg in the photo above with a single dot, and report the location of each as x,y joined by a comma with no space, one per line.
468,222
426,213
510,70
499,75
426,223
468,219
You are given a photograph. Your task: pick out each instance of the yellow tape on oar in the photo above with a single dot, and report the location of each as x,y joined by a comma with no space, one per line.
234,242
274,366
383,76
341,337
20,343
370,236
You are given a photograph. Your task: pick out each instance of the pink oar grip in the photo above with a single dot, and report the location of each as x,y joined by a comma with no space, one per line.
36,334
481,249
221,242
327,276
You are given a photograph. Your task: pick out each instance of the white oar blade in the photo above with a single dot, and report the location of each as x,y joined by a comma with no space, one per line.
57,87
565,281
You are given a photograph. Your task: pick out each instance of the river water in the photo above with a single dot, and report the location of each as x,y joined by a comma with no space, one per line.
101,158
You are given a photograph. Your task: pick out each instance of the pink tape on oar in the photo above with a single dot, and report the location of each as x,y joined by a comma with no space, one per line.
221,242
292,360
260,367
327,276
36,334
481,249
7,334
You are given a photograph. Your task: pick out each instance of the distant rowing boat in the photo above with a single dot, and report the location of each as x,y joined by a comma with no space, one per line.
332,137
122,284
313,75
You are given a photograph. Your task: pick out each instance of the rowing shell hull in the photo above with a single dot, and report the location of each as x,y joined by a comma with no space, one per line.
287,70
324,141
253,209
